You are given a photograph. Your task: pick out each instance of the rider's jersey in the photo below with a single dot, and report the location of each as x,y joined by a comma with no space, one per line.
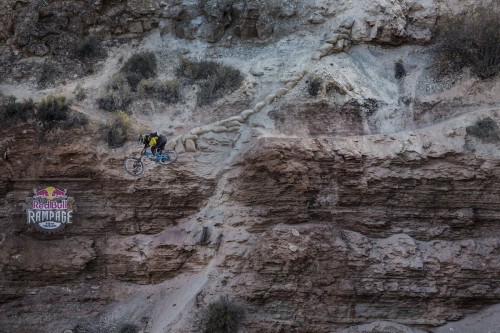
152,141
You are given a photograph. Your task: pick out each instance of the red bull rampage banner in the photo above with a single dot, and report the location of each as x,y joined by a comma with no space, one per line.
49,210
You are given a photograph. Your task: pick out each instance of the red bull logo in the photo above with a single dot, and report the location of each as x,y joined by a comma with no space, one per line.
49,209
49,193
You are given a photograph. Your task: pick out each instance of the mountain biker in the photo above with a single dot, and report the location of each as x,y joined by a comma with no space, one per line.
154,140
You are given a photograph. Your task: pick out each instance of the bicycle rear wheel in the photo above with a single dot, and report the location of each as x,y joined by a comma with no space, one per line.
168,157
134,166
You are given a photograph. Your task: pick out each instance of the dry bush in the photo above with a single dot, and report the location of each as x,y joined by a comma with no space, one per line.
119,131
48,74
471,40
205,236
13,111
485,129
223,315
197,70
215,79
399,70
80,93
139,67
53,108
168,91
77,119
315,82
118,96
89,49
128,328
187,68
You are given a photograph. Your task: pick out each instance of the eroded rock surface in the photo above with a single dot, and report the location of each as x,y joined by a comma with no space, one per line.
368,207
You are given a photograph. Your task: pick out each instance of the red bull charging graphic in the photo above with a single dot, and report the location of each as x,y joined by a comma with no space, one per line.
50,209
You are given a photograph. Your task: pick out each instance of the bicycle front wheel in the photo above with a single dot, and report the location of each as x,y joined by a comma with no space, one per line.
134,166
168,157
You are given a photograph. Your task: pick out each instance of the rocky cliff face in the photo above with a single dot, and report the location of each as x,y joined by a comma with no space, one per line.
346,232
47,27
101,243
370,206
316,234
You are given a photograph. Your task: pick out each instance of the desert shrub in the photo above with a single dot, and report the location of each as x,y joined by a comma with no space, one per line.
80,93
128,328
168,91
215,79
208,92
485,129
89,48
13,111
118,96
225,81
53,108
138,67
399,70
471,40
119,130
197,70
315,81
48,74
205,236
187,68
114,100
222,316
77,119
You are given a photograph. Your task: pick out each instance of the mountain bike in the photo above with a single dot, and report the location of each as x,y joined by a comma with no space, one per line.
135,166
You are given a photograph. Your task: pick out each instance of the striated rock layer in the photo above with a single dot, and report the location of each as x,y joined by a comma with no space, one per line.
354,230
313,235
300,214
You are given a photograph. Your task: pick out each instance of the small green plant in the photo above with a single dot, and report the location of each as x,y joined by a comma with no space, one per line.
13,111
139,67
315,82
119,130
128,328
53,108
399,70
485,129
223,316
215,79
471,40
168,91
89,48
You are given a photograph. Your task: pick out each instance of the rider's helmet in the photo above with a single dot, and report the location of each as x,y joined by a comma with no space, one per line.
143,138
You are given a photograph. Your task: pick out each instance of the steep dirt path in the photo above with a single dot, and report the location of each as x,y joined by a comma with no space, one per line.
177,301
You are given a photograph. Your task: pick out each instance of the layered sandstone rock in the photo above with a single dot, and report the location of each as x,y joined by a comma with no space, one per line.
341,231
311,234
288,204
